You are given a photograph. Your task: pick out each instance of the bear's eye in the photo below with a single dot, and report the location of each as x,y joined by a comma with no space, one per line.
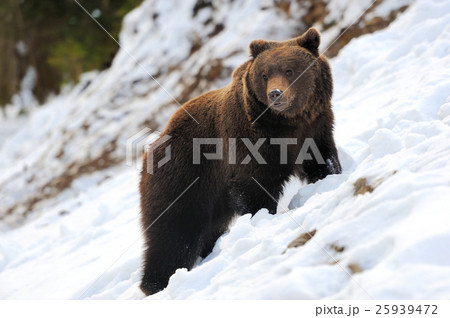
264,76
289,73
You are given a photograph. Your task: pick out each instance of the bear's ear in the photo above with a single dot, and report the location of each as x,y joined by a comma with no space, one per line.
310,40
258,46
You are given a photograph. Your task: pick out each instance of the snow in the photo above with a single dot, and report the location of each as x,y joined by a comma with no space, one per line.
388,241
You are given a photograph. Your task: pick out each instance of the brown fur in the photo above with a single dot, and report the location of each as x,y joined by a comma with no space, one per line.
180,228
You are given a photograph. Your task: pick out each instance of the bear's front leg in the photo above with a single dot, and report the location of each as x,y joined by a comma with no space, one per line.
316,169
252,194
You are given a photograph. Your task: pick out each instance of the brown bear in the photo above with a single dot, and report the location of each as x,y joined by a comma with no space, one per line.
253,130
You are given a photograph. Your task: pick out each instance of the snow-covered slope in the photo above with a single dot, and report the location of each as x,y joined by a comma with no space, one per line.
382,228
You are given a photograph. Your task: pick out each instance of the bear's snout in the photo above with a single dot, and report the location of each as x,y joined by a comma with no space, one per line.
275,94
276,91
278,100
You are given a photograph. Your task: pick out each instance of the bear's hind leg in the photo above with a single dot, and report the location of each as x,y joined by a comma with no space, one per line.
169,246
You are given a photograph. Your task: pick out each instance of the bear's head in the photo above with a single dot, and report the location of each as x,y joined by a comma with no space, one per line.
290,77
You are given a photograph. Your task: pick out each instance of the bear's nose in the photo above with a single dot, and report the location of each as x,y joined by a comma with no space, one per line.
275,94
